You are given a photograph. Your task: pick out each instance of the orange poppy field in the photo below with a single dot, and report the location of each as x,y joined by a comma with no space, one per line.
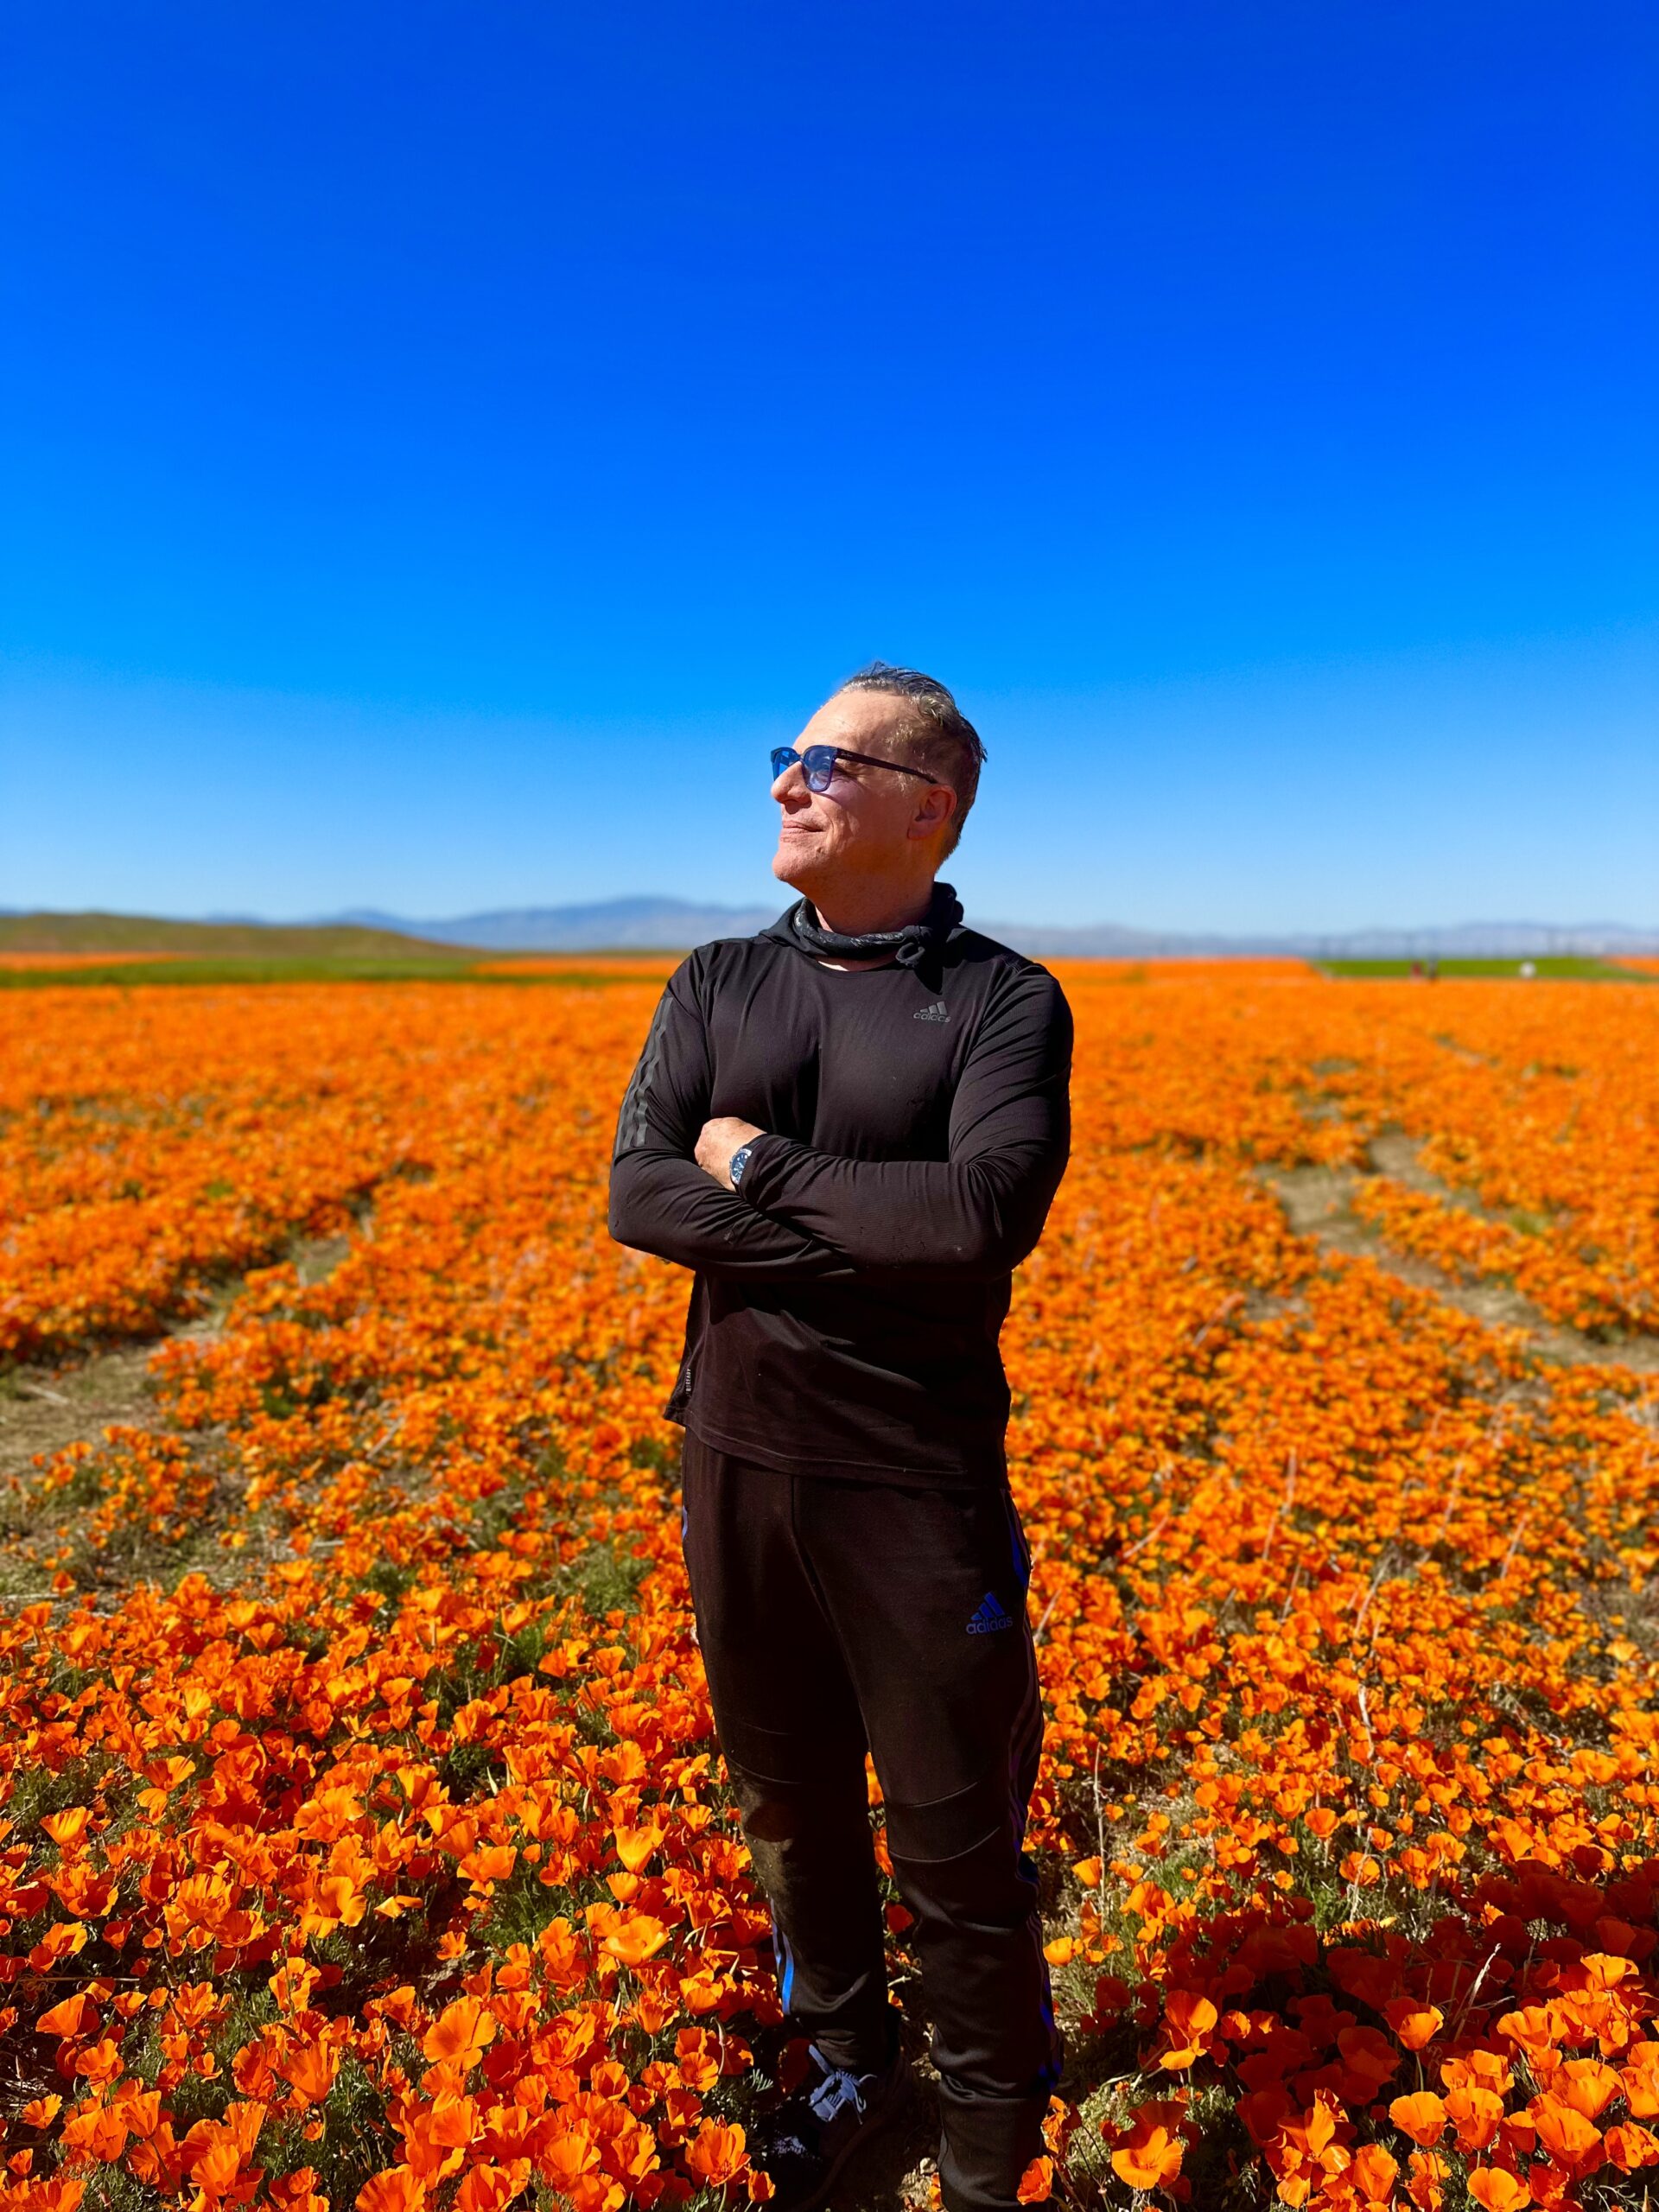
363,1839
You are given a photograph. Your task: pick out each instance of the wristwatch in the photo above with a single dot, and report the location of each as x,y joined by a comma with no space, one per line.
739,1161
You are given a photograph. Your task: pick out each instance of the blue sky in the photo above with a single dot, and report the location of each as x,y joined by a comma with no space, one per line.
448,444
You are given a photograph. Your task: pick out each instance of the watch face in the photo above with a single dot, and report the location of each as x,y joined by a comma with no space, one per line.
739,1161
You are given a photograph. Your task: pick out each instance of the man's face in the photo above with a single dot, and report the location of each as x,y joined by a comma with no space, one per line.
870,821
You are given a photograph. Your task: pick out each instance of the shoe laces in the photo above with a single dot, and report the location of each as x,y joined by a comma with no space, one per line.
839,2087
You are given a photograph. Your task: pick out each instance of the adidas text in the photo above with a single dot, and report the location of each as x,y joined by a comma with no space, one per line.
938,1012
989,1617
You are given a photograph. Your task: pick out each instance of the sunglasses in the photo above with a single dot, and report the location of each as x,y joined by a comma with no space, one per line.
818,764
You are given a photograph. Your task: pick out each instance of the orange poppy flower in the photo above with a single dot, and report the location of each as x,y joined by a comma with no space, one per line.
75,2016
1374,2173
461,2033
716,2154
1148,2154
1415,2025
1573,2141
1494,2188
638,1938
1189,2019
396,2190
1422,2116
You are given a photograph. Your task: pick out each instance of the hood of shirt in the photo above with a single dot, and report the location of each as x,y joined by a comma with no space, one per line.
799,927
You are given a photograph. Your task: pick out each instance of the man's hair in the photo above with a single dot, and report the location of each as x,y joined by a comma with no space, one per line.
937,736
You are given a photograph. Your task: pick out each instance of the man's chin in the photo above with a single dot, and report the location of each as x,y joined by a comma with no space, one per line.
798,864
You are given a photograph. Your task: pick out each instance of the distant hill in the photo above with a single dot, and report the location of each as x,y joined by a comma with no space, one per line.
1455,941
96,932
668,924
672,925
612,925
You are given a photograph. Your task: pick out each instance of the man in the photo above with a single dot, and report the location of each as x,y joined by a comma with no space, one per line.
852,1126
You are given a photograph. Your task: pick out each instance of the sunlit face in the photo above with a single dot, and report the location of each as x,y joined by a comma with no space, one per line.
871,821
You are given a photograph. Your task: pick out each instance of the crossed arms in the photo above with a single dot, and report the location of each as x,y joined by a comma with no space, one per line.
802,1215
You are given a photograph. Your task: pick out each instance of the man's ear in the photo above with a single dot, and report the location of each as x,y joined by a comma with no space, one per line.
933,813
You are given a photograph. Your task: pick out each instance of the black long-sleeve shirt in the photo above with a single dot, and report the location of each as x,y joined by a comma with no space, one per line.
851,1293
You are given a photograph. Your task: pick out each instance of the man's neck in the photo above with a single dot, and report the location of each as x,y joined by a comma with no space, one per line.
861,911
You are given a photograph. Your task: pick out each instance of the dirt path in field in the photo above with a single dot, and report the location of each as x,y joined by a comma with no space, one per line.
44,1407
1318,1203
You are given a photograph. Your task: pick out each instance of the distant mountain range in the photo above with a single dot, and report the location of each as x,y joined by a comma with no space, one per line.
670,923
654,924
1453,941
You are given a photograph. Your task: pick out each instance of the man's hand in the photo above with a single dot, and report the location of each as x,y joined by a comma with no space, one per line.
718,1141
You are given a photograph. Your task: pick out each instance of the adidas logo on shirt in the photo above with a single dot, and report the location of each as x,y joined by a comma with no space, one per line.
989,1617
938,1012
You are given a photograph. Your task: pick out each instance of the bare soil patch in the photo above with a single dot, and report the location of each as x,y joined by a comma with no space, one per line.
42,1408
1318,1203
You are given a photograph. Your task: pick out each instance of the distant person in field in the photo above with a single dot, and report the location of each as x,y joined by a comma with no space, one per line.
852,1127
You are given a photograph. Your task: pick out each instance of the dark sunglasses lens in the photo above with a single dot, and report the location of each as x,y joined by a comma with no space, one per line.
817,764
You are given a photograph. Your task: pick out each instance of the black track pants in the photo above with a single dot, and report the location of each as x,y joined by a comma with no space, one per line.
835,1615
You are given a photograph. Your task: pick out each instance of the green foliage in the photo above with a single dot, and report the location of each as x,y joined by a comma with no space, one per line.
1563,969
